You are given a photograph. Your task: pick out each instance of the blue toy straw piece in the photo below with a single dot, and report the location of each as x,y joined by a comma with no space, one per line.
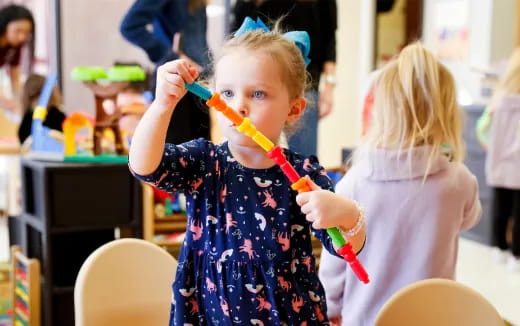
45,95
198,90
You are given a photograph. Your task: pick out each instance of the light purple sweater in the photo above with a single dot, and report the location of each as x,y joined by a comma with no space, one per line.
412,229
503,156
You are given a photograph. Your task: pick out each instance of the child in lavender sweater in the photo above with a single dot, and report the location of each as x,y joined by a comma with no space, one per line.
409,177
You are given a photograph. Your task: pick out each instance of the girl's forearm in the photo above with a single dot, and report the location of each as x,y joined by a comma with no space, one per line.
149,138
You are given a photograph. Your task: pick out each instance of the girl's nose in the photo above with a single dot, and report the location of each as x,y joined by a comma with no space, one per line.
242,107
243,111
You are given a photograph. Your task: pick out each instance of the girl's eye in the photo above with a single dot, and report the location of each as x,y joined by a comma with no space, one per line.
227,93
258,94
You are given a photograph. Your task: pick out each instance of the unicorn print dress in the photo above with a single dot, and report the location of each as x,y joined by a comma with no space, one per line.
247,257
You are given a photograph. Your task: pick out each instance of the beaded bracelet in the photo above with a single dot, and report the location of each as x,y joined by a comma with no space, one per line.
350,233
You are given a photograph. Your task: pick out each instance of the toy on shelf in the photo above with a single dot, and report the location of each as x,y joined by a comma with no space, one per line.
45,142
71,125
166,204
25,289
164,218
299,184
49,144
106,86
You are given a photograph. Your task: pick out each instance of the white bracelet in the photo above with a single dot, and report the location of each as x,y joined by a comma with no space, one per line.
350,233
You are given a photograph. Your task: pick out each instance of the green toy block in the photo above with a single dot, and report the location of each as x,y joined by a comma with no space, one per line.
103,158
87,73
126,73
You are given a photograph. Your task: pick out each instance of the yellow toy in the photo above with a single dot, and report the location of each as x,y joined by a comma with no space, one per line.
71,125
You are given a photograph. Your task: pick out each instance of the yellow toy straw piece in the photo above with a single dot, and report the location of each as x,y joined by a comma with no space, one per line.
250,130
247,128
263,141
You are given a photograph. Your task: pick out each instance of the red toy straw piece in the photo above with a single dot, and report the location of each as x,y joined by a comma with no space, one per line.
290,172
348,254
279,158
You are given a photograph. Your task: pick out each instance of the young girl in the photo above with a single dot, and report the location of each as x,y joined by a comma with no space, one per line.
503,160
416,198
247,257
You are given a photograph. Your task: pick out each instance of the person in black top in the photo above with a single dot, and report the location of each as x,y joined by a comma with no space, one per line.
178,31
319,19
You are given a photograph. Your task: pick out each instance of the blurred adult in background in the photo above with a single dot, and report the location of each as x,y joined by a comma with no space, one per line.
319,19
178,30
16,31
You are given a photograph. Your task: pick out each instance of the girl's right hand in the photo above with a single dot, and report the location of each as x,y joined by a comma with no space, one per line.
171,77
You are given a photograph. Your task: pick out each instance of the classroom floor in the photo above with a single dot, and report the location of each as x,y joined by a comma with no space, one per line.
475,269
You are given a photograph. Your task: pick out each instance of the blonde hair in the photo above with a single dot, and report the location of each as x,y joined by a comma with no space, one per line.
415,105
510,82
284,53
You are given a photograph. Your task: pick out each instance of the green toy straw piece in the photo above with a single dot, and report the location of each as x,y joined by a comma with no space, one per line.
87,73
337,237
126,73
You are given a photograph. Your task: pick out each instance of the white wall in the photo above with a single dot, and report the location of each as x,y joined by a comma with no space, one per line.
491,24
90,36
355,39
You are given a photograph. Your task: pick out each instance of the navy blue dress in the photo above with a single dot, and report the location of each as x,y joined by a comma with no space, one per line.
247,255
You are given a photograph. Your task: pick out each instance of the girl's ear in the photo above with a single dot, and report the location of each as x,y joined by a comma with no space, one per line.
297,109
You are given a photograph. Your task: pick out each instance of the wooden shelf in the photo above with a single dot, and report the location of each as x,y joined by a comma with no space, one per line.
153,225
170,226
166,243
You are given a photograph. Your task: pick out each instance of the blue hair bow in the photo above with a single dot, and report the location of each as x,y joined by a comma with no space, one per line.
300,38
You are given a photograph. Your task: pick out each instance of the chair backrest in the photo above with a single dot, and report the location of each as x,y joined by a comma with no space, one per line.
25,289
125,282
438,302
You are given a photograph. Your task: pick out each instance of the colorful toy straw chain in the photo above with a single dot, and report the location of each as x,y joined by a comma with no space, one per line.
299,184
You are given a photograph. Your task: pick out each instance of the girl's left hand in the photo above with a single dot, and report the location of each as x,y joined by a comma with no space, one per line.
335,321
326,209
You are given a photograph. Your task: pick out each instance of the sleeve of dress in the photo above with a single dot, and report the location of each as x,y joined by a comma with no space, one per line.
134,28
182,167
332,274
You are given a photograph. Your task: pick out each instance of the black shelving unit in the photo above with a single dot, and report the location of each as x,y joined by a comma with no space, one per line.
68,211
